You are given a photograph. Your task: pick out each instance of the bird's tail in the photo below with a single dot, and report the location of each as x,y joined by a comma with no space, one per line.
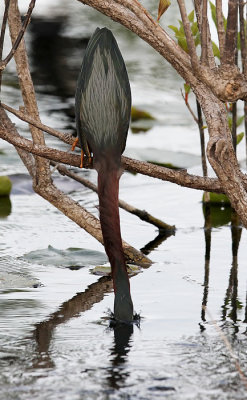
109,173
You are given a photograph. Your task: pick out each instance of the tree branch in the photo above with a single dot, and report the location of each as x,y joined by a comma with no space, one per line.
231,33
42,172
142,214
179,177
3,29
7,59
204,32
242,36
190,41
220,26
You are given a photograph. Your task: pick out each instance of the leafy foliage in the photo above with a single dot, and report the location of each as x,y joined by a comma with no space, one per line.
180,34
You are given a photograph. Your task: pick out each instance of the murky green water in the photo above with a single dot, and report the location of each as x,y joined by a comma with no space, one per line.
55,340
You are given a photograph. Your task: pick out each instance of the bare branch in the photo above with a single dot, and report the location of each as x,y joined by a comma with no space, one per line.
65,137
202,139
5,62
242,36
3,28
42,165
231,33
26,157
189,108
190,41
175,176
142,214
220,26
210,55
204,32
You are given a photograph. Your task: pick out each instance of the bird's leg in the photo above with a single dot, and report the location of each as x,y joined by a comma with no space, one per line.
74,144
82,156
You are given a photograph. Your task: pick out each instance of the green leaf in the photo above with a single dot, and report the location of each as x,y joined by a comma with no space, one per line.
186,88
197,39
173,28
240,120
191,16
240,137
213,13
194,28
216,50
181,27
183,43
224,22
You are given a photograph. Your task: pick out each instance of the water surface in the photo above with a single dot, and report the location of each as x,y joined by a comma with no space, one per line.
55,340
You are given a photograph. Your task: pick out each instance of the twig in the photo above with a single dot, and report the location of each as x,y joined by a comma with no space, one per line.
228,346
231,33
234,126
210,55
242,36
204,31
190,41
142,214
3,29
189,108
202,139
7,59
220,26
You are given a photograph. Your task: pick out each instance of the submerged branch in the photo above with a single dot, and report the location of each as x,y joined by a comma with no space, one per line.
142,214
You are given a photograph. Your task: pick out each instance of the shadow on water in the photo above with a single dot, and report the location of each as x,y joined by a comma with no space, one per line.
72,308
231,302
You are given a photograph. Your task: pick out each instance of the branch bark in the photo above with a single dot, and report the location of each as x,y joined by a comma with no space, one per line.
231,33
142,214
180,177
220,26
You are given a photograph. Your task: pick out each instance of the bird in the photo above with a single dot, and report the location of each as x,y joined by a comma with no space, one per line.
102,113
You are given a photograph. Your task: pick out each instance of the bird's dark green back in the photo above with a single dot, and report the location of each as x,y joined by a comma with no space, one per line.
103,97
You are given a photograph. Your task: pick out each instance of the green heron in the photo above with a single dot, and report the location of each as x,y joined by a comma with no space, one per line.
102,109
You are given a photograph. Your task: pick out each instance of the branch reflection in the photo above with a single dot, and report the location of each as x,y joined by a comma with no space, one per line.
216,216
70,309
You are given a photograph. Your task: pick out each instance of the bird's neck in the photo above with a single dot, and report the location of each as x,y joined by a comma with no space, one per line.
108,187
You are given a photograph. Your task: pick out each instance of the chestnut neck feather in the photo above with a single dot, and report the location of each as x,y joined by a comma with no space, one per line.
109,172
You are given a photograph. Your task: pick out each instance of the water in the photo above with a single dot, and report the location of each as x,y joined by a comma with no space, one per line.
55,340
